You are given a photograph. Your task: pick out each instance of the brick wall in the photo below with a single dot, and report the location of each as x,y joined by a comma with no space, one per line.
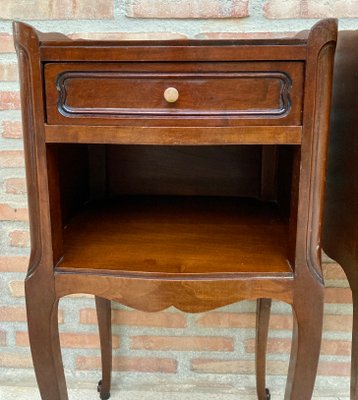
214,349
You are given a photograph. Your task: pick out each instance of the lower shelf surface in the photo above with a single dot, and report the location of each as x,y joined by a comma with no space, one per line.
178,235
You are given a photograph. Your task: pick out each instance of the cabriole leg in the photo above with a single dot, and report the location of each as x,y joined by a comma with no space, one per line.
306,344
42,316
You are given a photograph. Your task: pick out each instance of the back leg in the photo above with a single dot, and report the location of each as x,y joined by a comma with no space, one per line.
103,308
263,310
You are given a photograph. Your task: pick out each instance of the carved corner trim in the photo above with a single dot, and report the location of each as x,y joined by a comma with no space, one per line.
31,169
27,45
319,143
321,34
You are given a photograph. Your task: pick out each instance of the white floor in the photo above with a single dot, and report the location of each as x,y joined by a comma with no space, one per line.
30,393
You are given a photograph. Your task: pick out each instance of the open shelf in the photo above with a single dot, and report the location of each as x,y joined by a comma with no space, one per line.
178,235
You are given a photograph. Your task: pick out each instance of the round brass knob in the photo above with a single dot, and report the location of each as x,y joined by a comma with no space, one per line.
171,94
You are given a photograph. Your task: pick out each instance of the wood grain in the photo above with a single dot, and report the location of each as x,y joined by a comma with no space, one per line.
173,135
193,50
184,170
178,235
340,233
219,94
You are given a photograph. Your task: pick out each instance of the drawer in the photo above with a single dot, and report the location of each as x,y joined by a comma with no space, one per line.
204,94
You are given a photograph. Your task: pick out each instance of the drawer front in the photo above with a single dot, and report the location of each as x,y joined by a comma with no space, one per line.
162,94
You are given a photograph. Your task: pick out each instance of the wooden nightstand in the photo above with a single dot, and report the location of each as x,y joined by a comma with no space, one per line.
179,173
340,234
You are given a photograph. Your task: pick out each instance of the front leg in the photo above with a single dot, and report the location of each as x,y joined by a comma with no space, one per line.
42,317
306,343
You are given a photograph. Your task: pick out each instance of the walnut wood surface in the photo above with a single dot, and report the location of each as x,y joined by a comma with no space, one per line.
103,308
155,292
173,135
171,51
187,170
211,94
340,224
178,235
149,290
263,310
41,299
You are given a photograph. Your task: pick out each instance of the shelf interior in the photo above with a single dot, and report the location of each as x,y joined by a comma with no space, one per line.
178,235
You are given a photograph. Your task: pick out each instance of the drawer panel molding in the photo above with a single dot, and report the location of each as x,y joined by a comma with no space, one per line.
242,94
201,94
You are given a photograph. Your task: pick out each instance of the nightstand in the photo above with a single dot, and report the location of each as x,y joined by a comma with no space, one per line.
175,173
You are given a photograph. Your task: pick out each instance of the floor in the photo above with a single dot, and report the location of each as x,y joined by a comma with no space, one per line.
31,393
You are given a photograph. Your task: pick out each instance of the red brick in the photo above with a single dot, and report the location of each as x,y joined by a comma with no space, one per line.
8,213
336,347
6,43
81,295
243,367
182,343
20,239
9,72
281,322
227,320
2,338
277,9
339,323
217,366
283,346
331,368
277,321
12,159
330,322
22,339
14,360
12,314
242,320
57,9
17,288
333,271
134,364
71,340
247,367
13,264
138,318
10,100
325,368
187,9
15,186
338,295
244,35
12,129
18,314
204,365
128,35
273,345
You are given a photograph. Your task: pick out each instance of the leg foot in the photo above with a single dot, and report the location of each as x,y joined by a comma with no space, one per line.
263,310
268,395
103,396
